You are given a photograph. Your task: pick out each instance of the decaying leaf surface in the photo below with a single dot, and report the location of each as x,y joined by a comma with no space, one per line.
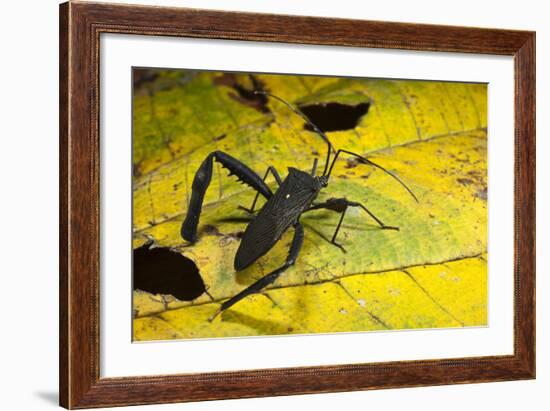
431,273
451,294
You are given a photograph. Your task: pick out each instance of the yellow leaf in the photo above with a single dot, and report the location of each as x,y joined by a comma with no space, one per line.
451,294
431,273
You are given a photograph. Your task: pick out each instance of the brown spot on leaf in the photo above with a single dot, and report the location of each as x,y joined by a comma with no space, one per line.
482,194
245,94
465,181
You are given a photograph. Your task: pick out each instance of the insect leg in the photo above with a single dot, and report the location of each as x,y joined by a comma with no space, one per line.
272,276
340,205
202,180
277,179
380,223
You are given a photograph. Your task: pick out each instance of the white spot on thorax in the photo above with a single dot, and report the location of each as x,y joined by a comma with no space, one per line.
287,196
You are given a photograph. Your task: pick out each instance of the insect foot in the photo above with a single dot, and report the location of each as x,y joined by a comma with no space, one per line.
389,227
213,316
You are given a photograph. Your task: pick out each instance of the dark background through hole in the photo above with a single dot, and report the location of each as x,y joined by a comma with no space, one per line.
163,271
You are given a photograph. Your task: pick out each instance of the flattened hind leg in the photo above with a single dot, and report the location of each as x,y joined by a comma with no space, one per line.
272,276
202,181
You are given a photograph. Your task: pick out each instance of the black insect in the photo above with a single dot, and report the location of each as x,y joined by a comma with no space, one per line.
282,210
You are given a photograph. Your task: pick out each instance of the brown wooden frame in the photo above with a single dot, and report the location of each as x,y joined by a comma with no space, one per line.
80,27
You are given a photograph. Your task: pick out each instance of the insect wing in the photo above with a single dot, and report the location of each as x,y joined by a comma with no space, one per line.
279,213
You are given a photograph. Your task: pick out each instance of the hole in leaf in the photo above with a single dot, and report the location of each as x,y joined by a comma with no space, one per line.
163,271
334,116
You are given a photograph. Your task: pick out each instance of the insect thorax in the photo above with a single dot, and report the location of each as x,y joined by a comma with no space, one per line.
306,180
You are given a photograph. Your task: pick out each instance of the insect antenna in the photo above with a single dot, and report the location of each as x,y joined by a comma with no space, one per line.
367,161
308,121
314,169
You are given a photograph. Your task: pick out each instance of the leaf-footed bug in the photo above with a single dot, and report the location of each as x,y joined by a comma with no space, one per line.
282,210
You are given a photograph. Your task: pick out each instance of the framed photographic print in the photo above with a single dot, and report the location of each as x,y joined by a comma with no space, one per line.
257,205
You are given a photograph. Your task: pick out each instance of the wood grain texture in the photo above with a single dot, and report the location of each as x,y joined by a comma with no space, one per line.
63,205
80,27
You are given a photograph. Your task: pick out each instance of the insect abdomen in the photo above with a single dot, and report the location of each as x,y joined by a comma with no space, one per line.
278,214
